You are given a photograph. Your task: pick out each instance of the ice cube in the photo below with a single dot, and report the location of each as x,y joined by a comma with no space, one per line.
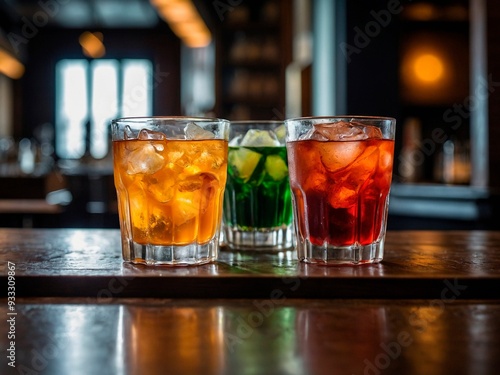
146,134
348,181
135,207
243,162
162,190
187,206
177,160
316,182
194,131
145,160
260,138
212,160
341,196
236,141
372,132
191,183
343,131
340,155
280,132
128,133
369,160
385,164
276,167
312,134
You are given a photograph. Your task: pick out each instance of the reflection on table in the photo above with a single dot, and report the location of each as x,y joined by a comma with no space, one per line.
256,336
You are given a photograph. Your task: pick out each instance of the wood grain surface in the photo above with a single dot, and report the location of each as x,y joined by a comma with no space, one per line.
431,307
259,336
417,264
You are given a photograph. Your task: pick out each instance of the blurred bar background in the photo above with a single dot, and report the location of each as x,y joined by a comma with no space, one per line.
68,67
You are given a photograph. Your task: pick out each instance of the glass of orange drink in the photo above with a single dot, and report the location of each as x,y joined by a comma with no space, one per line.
170,176
340,175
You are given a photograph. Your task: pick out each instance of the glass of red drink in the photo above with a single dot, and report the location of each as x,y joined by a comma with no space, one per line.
340,171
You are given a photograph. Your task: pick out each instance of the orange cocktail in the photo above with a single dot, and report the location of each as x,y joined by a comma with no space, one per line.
170,189
340,176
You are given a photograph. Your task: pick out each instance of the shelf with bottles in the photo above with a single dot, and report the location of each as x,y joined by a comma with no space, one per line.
251,34
250,93
252,86
432,151
432,185
252,55
251,50
257,15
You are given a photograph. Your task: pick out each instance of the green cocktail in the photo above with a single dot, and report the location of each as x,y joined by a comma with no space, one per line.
257,200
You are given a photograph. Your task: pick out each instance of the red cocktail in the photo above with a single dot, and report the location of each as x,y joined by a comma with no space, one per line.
340,177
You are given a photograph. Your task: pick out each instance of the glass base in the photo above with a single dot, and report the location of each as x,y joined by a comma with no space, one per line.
329,255
156,255
264,239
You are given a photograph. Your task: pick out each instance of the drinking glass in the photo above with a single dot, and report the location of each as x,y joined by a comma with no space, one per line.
340,175
257,200
170,174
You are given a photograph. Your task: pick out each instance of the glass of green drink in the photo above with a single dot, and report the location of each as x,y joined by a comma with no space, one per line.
257,200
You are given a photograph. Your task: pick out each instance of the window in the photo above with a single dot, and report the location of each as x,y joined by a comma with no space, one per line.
90,93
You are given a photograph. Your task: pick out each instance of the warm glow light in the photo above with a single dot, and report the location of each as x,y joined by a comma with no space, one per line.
160,3
197,40
10,66
185,21
185,29
421,11
177,12
92,45
430,71
428,68
426,11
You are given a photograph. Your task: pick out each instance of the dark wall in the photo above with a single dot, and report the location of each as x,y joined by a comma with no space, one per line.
372,56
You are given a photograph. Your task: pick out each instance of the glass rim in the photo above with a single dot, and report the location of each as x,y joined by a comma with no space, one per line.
139,119
250,122
337,117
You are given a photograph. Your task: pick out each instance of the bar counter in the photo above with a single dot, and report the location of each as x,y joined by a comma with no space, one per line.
431,307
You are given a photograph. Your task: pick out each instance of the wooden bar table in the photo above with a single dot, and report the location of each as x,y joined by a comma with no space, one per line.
431,307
